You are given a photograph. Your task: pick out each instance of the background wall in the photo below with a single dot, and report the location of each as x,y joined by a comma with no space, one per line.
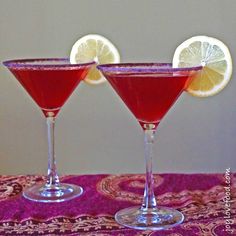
95,131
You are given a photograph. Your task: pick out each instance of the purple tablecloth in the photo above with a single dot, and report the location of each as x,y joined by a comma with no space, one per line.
208,202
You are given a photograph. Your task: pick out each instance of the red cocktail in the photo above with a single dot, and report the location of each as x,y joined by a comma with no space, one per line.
148,90
50,82
149,96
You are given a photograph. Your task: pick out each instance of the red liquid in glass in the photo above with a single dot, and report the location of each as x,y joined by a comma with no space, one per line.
50,88
149,96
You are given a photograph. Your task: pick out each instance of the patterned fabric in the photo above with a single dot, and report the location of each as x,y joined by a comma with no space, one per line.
200,197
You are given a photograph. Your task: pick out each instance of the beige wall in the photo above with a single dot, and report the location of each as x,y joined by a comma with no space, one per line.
95,131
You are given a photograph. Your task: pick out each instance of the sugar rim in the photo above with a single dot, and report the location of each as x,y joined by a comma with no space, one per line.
34,64
144,68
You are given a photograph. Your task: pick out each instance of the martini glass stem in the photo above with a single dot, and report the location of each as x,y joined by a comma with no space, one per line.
149,201
52,176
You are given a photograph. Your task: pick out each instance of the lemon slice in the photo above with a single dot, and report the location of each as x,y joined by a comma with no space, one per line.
213,55
94,47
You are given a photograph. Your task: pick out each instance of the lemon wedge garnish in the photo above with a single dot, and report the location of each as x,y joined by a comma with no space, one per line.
213,55
94,47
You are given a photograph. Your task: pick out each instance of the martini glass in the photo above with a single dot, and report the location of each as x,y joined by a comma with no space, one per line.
149,90
50,82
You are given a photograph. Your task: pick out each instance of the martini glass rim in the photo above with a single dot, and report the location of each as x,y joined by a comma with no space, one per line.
44,64
144,68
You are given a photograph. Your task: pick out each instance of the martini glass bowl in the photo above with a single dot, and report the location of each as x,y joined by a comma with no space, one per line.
148,90
49,82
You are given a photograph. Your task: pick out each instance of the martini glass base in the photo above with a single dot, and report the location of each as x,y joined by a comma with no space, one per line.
59,193
152,219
